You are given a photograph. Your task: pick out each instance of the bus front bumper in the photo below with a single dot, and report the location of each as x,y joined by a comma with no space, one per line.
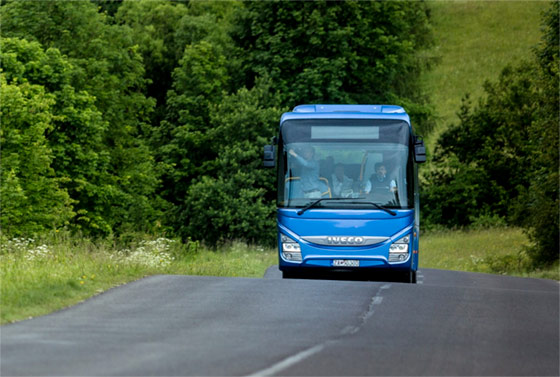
345,261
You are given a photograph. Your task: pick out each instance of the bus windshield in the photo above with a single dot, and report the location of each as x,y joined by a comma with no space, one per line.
355,162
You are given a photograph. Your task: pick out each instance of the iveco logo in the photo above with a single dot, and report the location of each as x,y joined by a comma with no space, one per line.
345,240
334,240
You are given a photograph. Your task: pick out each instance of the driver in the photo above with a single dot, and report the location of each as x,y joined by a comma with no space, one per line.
379,181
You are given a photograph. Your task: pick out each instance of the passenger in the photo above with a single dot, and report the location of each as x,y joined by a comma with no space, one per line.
310,183
340,183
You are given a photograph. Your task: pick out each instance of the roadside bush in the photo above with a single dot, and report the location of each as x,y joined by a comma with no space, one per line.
509,264
486,221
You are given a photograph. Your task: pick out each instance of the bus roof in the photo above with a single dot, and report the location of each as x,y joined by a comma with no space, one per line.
346,112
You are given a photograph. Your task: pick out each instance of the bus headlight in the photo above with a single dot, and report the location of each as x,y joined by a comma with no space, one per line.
291,251
398,251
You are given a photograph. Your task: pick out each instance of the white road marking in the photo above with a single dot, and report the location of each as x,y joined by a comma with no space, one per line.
288,362
349,330
376,300
300,356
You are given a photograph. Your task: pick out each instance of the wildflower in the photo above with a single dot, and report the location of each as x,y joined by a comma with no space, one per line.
40,252
149,253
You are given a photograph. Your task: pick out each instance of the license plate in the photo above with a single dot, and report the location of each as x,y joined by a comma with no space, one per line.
346,263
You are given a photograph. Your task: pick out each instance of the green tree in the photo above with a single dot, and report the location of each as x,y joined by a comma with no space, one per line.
235,197
32,197
108,6
219,116
181,139
211,22
75,138
542,197
154,25
481,164
338,52
108,67
163,29
185,140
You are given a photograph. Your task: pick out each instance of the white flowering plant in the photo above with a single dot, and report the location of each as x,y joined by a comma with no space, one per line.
26,246
155,253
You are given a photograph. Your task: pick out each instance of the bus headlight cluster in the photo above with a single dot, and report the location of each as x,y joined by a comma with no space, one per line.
291,251
398,251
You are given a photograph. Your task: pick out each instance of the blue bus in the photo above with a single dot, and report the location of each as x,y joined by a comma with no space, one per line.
347,190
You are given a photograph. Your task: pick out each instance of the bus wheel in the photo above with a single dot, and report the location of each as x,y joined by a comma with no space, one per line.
289,275
411,277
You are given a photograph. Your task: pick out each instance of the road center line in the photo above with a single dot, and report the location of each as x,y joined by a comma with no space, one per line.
288,362
377,299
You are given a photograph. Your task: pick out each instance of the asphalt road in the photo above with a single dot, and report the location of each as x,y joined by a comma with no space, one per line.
451,323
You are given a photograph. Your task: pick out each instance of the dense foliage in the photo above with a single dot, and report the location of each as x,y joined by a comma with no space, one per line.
231,84
151,115
95,75
501,160
32,197
154,113
338,52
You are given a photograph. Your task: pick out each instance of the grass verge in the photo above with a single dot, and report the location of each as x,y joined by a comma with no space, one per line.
500,250
40,276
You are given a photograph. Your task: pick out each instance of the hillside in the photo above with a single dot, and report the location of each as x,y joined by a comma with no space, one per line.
474,41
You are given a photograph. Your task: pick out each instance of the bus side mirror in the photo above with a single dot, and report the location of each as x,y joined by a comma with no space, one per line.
269,153
419,150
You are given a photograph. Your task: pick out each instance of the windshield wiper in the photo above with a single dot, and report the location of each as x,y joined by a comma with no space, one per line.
313,204
379,206
354,201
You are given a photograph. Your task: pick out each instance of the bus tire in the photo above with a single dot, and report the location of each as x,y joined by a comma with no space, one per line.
289,275
412,277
